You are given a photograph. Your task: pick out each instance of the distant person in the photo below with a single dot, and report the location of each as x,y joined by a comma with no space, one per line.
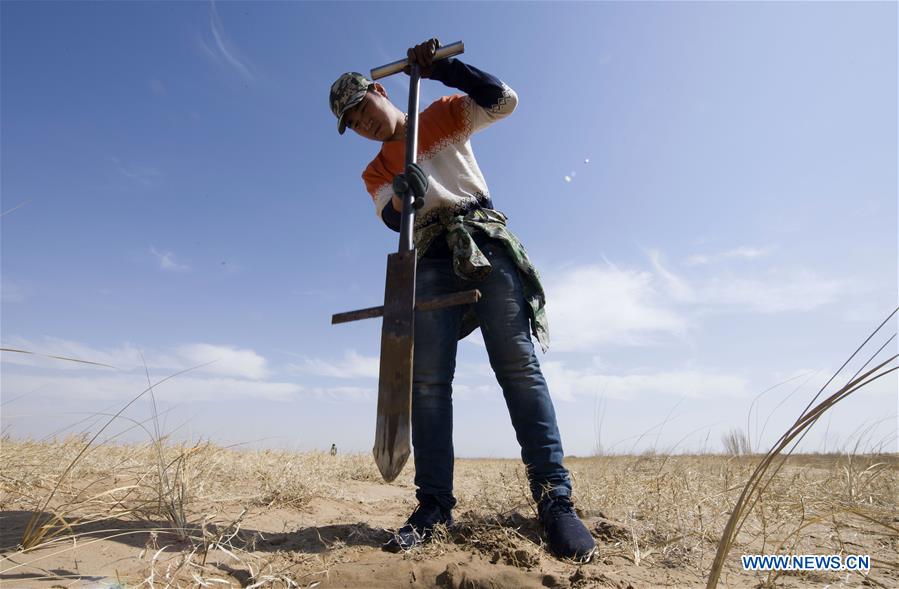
463,243
333,450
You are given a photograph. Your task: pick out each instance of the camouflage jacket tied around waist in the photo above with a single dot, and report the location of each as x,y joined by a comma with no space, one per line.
470,263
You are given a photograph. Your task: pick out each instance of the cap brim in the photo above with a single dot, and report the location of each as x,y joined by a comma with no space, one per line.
356,99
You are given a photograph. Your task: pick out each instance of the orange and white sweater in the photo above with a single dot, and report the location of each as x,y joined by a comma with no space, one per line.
444,150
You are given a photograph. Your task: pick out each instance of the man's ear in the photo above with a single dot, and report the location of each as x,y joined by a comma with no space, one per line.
380,89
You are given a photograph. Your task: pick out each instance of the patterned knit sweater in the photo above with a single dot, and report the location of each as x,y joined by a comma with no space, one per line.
456,184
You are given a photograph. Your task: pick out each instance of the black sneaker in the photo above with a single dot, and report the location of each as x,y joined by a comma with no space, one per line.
565,533
419,527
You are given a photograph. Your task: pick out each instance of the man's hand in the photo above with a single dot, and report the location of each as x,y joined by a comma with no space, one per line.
413,179
423,55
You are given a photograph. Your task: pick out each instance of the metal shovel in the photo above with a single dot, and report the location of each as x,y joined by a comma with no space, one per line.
393,426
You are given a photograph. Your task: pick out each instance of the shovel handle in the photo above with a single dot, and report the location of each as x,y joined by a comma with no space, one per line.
397,66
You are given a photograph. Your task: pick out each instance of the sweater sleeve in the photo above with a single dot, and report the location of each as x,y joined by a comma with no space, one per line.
378,184
491,98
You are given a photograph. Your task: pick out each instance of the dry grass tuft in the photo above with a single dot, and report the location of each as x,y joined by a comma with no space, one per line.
761,479
648,513
188,515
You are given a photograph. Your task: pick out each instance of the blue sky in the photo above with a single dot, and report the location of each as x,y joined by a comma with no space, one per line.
708,189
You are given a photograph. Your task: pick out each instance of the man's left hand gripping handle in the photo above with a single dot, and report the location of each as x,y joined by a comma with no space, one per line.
413,179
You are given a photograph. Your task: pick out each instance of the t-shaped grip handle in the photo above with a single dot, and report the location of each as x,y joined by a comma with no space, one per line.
397,66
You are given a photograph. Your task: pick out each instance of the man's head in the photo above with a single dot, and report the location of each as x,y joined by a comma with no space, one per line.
363,106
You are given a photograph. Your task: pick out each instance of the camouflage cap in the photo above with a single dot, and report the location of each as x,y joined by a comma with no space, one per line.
347,92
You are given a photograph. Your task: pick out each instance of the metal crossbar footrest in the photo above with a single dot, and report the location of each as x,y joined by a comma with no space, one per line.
457,298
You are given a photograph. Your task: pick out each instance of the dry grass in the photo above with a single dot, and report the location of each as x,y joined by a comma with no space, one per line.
650,514
183,515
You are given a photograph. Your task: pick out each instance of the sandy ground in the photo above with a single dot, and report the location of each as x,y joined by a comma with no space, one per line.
281,520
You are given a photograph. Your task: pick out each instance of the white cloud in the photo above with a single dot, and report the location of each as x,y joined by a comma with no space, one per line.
592,305
218,360
221,49
216,373
125,387
399,84
142,174
567,383
353,365
225,360
677,288
740,253
14,208
121,388
342,393
781,292
777,291
167,261
473,391
124,357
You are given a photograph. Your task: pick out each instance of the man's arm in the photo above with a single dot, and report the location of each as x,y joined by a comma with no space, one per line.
486,90
492,98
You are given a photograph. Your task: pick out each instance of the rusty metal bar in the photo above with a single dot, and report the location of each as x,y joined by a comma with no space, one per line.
457,298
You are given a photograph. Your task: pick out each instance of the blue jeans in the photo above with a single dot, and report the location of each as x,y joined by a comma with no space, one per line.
503,316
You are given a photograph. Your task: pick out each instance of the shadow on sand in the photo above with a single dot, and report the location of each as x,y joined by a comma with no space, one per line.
143,533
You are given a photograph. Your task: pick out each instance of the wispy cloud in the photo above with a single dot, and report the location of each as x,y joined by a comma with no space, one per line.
142,174
123,357
221,360
342,393
217,372
568,383
225,360
677,288
397,85
774,291
122,387
352,365
801,290
220,49
593,304
167,261
16,207
597,304
740,253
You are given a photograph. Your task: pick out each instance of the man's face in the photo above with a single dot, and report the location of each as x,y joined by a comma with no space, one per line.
374,118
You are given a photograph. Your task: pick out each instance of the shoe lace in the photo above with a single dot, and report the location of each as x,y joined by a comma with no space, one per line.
558,506
425,515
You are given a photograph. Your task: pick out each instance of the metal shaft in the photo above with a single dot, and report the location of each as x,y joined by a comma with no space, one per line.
408,219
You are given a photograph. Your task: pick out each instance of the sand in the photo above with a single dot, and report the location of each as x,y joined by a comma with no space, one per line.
268,519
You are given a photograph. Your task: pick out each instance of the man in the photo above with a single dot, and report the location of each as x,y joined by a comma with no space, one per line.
462,243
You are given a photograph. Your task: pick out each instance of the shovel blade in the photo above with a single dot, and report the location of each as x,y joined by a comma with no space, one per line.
393,426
